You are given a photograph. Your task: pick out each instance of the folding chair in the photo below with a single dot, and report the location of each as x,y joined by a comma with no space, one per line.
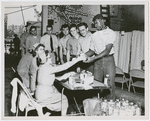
122,79
32,104
137,74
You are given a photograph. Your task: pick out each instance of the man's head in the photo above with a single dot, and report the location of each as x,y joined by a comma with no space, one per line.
83,29
73,30
33,30
65,29
49,29
99,21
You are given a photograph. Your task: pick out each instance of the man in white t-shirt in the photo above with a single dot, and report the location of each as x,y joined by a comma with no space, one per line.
84,44
103,49
73,43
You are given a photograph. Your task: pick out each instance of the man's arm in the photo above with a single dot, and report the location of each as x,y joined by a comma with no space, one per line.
33,73
68,51
60,53
27,44
102,54
56,48
105,52
90,53
68,55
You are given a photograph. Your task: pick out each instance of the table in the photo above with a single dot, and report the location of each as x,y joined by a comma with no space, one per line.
95,86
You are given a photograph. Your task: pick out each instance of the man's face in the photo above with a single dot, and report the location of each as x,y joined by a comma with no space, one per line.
40,50
65,31
83,30
33,32
49,30
99,23
73,31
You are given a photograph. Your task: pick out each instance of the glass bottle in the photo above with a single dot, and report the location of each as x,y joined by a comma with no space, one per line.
106,80
137,110
104,107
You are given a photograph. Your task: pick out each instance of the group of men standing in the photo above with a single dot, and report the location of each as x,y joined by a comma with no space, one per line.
77,39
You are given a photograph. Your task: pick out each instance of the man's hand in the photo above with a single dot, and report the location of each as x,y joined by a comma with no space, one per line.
90,59
84,56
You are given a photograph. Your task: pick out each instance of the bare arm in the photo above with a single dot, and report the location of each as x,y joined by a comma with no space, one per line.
27,44
61,54
102,54
68,55
68,51
90,53
105,52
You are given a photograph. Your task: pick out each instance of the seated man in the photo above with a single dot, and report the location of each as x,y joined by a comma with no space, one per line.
34,66
24,64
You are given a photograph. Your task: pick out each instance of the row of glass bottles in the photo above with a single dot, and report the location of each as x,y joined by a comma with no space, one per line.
119,108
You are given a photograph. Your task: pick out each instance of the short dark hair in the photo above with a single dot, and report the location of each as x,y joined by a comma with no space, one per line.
64,26
98,16
33,27
49,26
82,24
72,25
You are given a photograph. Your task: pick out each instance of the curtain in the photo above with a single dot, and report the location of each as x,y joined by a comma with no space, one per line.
124,51
137,53
116,46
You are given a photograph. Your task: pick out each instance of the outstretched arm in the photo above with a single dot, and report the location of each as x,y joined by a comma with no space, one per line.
66,65
102,54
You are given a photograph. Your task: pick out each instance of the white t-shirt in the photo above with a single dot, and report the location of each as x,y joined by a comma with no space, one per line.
101,39
85,42
63,43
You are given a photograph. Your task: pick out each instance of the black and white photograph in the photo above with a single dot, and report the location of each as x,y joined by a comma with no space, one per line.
74,60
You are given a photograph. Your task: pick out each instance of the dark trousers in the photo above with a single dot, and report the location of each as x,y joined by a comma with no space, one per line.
104,66
87,66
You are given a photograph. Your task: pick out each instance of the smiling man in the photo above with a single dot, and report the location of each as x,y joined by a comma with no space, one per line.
84,44
63,42
103,49
73,43
32,39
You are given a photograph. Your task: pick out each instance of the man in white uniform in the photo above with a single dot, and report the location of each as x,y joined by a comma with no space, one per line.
51,43
103,49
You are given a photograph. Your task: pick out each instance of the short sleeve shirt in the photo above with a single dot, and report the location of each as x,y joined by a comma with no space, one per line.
101,39
63,43
85,42
73,46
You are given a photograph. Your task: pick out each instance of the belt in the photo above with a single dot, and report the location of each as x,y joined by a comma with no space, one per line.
73,55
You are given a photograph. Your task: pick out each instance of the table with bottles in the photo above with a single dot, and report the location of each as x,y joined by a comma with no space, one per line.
81,81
